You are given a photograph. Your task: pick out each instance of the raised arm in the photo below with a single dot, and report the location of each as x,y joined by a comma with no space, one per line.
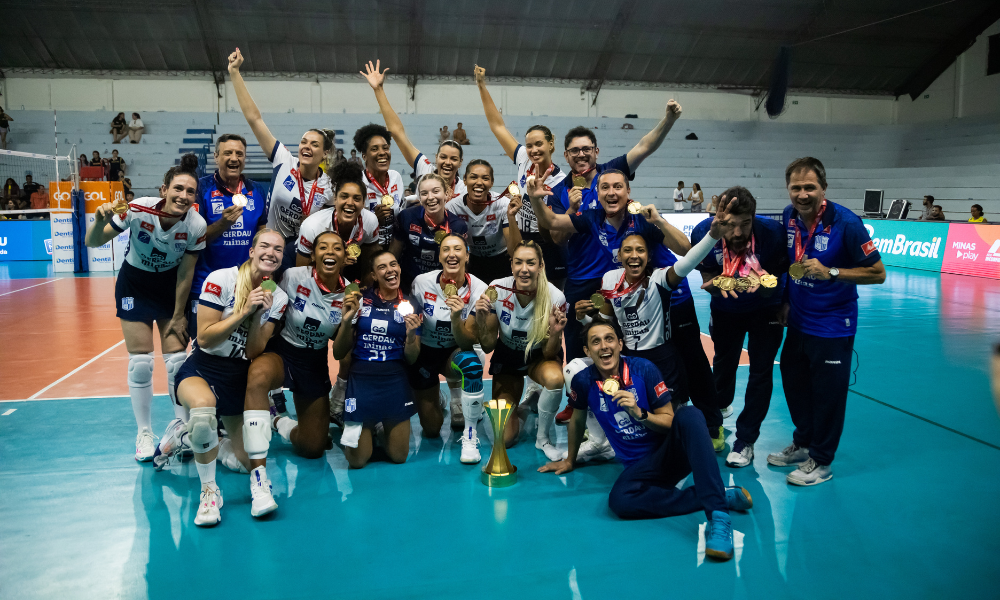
652,140
101,232
673,238
547,218
685,264
494,117
376,79
250,111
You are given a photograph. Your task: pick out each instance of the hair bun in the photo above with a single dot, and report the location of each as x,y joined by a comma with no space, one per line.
189,162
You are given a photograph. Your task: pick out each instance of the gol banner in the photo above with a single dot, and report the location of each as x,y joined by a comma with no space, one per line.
95,193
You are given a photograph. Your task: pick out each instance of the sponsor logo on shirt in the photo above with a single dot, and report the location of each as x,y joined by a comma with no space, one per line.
508,304
380,326
415,228
181,236
430,296
143,237
491,218
505,316
428,309
305,243
868,247
311,324
216,194
217,208
302,290
212,288
289,183
661,388
202,239
299,304
147,226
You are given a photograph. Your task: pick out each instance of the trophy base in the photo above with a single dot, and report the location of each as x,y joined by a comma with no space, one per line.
499,480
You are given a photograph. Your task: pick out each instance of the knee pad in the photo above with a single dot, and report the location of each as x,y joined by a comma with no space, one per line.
202,428
173,362
572,368
256,432
352,434
471,368
140,370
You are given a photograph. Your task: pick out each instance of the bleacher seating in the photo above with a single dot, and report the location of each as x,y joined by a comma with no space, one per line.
953,160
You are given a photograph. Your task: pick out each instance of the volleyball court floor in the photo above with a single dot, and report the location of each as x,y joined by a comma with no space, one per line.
910,512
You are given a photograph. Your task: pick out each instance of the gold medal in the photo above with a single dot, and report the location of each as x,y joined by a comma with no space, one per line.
353,250
450,289
405,308
120,208
439,236
351,288
754,280
387,200
797,271
491,294
268,285
579,181
610,386
513,190
724,283
634,208
742,284
769,281
239,200
598,301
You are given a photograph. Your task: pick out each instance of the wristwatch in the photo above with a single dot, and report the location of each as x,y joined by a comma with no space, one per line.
834,272
644,414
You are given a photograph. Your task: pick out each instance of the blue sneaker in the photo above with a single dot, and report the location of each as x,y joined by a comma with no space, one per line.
738,498
719,537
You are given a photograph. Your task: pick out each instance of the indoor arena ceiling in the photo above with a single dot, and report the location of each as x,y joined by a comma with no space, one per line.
717,43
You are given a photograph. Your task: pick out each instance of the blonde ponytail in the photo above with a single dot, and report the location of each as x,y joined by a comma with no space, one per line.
539,329
244,278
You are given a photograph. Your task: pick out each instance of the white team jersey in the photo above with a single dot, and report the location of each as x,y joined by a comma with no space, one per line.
423,166
526,220
321,221
515,320
426,292
150,248
285,213
644,313
313,316
397,190
219,292
485,229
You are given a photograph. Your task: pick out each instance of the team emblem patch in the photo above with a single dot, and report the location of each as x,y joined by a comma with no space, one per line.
335,317
350,405
128,303
821,242
217,208
365,311
398,317
179,246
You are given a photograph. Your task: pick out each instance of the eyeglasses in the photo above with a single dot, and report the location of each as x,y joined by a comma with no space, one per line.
585,150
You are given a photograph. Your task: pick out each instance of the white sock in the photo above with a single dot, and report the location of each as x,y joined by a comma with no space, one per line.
142,406
472,410
548,404
285,425
596,434
206,472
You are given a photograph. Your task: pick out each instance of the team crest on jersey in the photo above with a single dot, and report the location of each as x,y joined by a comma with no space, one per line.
791,239
505,316
350,405
822,241
335,317
289,183
299,304
143,237
428,308
179,246
398,317
250,203
147,226
217,208
128,303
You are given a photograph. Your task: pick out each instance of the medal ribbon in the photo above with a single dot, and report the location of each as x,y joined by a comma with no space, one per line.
739,264
625,378
153,211
239,187
358,223
620,289
528,293
468,286
443,226
340,283
399,297
306,206
531,171
581,174
800,248
377,185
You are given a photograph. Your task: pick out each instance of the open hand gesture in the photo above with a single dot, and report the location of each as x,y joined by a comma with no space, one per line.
374,75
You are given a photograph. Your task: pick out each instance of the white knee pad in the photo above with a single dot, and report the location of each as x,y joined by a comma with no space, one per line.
256,433
352,434
203,429
173,362
572,368
140,370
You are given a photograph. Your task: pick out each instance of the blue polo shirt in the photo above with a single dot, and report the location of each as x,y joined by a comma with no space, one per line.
580,252
232,247
630,438
769,247
826,308
420,251
598,241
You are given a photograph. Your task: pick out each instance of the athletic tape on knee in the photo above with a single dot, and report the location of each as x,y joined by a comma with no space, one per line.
140,370
352,434
173,362
471,368
572,368
256,433
202,427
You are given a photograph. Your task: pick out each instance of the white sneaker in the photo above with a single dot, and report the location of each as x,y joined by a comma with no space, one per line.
792,455
209,511
470,449
810,473
551,452
145,446
741,456
170,445
727,412
590,450
262,502
228,457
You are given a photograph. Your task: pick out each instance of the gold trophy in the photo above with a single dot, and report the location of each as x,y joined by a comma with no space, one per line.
498,471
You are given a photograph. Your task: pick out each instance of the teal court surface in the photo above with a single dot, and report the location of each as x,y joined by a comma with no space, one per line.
910,513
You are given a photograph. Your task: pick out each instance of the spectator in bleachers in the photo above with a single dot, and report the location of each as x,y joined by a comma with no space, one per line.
339,158
11,191
459,136
39,200
29,187
356,159
928,206
679,199
84,161
116,166
127,185
11,205
937,213
135,129
445,134
5,120
119,128
977,214
696,198
129,195
712,205
96,160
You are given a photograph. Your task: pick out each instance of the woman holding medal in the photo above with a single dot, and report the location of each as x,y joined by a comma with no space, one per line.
488,217
447,159
447,343
153,284
419,230
520,319
239,308
300,185
384,186
380,331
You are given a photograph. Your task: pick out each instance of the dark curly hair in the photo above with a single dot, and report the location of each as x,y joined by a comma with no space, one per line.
364,135
347,172
187,166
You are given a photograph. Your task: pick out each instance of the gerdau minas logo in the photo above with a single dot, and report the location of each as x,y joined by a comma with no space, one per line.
901,246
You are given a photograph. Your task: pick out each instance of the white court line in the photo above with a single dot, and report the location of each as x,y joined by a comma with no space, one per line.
28,288
8,412
104,397
73,372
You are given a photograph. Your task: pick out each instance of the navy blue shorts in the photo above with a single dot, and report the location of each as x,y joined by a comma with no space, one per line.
307,371
145,296
378,391
507,361
424,373
226,376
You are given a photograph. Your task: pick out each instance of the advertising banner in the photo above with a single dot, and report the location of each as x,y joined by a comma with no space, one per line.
973,249
62,242
25,240
95,193
909,244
